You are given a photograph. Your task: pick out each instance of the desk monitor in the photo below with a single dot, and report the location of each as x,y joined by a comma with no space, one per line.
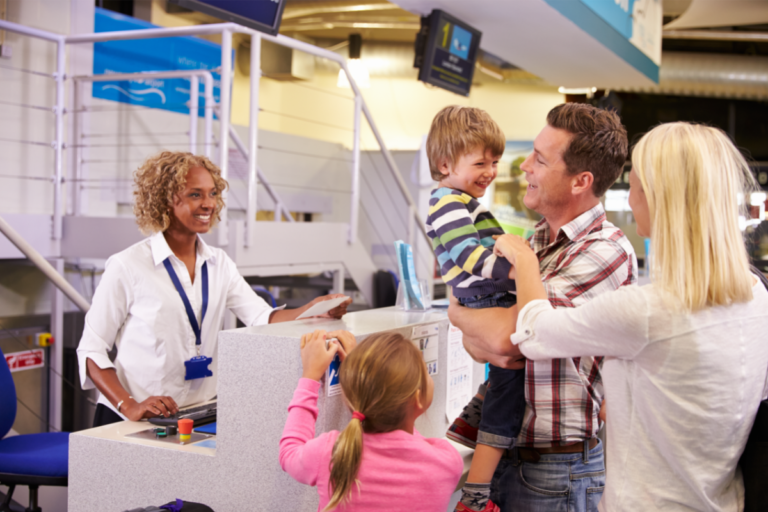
446,51
261,15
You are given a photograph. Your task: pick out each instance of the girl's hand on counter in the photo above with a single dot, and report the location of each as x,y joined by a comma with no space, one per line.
347,341
149,408
315,357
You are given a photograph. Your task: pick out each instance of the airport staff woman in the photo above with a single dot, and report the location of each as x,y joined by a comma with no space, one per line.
686,356
162,300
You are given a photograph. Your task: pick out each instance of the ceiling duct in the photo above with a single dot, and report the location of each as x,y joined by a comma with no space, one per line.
710,74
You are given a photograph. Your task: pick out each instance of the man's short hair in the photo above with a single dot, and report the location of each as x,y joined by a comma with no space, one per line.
456,131
598,143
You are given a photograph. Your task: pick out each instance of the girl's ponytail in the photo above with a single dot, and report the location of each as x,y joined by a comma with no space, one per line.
379,380
345,461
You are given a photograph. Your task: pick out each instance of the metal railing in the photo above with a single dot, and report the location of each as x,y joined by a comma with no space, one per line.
226,30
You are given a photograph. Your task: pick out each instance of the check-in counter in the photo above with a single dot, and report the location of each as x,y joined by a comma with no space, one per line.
258,368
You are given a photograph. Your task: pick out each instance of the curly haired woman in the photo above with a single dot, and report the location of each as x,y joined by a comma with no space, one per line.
162,300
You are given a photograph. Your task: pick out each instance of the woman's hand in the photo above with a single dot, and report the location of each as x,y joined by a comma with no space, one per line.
149,408
337,312
347,340
512,247
315,356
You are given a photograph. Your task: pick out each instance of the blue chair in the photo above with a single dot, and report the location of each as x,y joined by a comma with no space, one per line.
33,459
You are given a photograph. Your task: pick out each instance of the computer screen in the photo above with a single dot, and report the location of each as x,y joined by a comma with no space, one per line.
262,15
446,50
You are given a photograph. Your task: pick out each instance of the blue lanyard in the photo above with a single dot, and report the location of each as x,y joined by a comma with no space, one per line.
187,305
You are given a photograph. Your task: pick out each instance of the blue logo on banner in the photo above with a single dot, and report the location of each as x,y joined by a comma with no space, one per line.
141,55
460,42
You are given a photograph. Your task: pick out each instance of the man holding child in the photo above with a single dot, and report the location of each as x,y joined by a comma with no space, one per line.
556,462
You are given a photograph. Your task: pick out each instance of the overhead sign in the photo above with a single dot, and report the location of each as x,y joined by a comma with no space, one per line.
450,53
141,55
27,360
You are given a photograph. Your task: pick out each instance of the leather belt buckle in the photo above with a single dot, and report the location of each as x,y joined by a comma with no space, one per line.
528,455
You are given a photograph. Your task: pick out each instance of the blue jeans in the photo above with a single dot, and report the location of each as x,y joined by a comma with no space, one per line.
492,300
503,408
556,483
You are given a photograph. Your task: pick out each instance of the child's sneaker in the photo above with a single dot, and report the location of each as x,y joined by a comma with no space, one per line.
463,430
463,433
489,507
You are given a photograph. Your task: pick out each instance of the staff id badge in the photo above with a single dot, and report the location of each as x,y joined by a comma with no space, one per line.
197,368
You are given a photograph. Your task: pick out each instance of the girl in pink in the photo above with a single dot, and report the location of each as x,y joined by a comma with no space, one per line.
379,462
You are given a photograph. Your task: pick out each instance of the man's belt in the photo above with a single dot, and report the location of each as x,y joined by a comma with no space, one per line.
530,454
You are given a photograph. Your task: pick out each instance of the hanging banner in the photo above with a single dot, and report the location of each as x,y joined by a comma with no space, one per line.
160,54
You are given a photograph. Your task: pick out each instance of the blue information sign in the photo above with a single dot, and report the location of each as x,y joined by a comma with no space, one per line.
141,55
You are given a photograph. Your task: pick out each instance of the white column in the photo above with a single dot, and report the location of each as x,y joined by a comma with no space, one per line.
56,352
224,109
253,143
355,200
194,99
208,125
58,145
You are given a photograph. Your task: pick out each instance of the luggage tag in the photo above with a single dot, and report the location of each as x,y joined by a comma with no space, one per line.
197,368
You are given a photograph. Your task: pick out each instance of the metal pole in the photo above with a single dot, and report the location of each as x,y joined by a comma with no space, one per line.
194,99
260,175
253,143
41,263
355,206
74,150
27,31
209,105
224,109
59,144
56,353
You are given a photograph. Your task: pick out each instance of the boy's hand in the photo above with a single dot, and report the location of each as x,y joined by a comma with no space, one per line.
347,341
512,247
315,357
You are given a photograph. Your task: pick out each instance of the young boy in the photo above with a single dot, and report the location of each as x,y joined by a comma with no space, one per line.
464,146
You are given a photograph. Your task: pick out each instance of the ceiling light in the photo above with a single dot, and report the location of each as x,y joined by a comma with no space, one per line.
356,66
582,90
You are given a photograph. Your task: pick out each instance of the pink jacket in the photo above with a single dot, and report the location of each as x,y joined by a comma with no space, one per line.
399,471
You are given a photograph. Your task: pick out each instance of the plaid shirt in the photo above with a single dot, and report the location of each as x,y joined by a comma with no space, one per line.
590,256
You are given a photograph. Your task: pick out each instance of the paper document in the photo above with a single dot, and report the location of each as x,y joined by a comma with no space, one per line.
322,307
460,390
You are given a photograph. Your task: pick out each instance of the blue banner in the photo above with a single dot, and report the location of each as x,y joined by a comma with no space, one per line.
141,55
617,13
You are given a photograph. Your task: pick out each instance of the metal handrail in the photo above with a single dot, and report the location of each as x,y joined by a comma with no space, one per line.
41,263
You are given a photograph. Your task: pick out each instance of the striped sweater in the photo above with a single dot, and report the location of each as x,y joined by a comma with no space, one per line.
462,232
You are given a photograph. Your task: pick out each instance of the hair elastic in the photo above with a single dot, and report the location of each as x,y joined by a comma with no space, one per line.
358,416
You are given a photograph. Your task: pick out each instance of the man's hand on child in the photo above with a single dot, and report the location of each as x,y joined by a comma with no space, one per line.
315,356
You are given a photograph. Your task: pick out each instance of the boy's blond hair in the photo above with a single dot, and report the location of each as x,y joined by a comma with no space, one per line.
456,131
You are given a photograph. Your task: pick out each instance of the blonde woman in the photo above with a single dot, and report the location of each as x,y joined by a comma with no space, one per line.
162,300
686,356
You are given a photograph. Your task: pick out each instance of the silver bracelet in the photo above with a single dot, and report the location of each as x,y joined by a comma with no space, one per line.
120,403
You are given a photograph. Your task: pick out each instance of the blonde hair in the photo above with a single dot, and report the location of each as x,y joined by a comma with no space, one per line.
159,179
456,131
379,379
693,176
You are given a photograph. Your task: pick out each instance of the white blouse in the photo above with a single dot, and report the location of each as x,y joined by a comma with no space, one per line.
682,391
137,308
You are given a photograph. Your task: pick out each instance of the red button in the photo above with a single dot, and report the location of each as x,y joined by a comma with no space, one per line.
185,426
